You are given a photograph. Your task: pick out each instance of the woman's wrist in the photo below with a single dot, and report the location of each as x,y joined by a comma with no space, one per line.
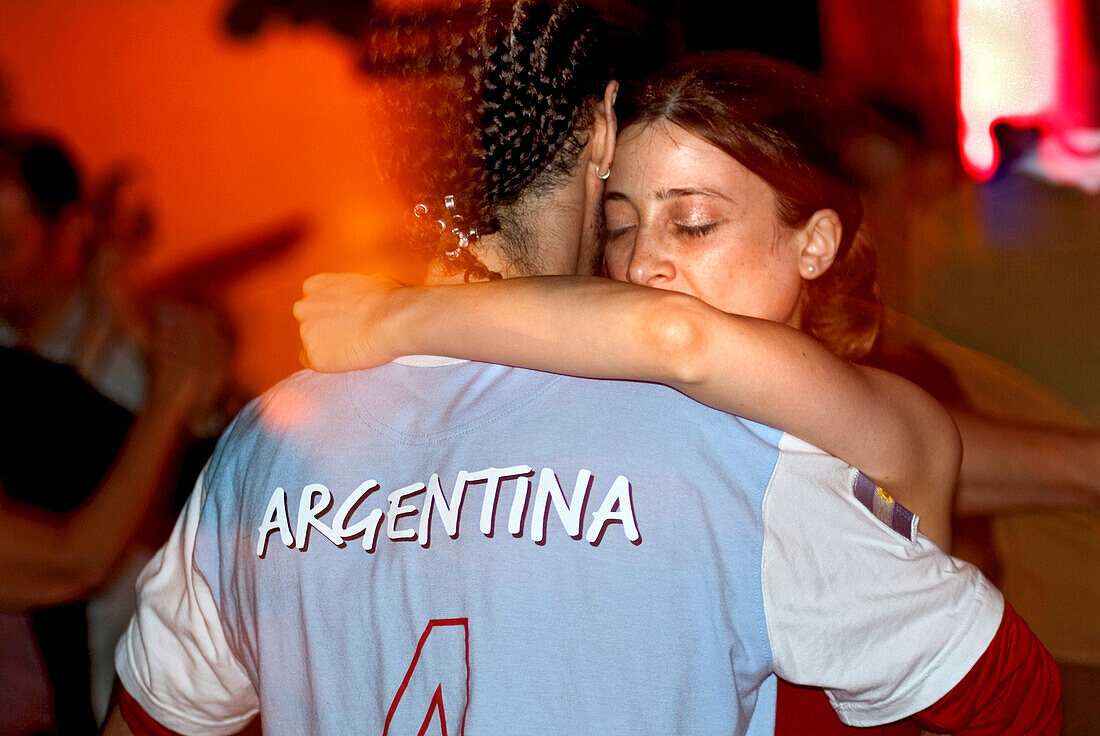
402,322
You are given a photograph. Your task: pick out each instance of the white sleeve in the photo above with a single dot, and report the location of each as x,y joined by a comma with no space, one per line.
174,658
883,620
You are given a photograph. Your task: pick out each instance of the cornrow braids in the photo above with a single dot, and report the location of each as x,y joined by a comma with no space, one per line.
534,94
490,105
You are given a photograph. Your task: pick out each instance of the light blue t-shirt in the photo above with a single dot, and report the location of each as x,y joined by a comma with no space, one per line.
500,550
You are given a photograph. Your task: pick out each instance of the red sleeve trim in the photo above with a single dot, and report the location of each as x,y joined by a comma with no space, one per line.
140,722
806,711
1013,688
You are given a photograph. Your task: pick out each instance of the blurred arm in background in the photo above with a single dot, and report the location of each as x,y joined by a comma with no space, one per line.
48,558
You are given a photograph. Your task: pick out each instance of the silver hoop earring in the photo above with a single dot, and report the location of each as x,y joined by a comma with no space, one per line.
603,175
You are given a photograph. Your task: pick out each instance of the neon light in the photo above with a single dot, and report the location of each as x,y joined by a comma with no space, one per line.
1006,72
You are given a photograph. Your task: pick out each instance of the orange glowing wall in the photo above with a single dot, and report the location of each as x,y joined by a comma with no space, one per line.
228,137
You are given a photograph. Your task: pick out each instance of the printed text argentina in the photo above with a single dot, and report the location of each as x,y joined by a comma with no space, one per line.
409,511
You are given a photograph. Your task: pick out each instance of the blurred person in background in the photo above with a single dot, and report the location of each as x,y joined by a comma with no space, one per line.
99,402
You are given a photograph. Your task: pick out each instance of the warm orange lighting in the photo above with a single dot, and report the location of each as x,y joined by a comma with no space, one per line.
231,137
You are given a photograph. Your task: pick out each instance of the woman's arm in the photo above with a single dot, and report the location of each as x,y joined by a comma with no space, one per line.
46,558
890,429
1012,466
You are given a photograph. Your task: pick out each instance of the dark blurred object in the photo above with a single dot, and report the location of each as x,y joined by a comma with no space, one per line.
350,18
44,167
206,276
62,633
6,101
55,407
410,39
900,53
50,178
75,374
784,29
120,220
346,17
49,415
646,34
1092,23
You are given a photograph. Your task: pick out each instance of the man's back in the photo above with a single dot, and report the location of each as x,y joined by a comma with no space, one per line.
518,552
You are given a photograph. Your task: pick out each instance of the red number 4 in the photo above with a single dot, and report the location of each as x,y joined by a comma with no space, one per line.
439,672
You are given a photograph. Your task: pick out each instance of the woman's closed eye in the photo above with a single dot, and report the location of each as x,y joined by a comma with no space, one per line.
618,231
696,231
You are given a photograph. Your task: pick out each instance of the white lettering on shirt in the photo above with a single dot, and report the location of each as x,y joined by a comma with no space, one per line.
352,519
275,518
617,506
368,527
397,511
569,512
316,500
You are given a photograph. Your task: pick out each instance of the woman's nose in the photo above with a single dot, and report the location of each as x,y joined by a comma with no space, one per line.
651,263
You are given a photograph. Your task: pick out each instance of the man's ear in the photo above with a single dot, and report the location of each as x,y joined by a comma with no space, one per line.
819,241
605,129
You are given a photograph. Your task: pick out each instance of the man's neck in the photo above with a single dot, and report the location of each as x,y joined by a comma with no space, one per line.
554,223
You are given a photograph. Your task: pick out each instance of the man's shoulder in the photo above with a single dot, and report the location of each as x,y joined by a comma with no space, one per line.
288,397
295,400
407,397
294,407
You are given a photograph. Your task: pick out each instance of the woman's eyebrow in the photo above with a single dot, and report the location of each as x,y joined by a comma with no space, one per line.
663,194
666,194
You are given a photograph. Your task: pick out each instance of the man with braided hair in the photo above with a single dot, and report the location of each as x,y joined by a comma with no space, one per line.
453,547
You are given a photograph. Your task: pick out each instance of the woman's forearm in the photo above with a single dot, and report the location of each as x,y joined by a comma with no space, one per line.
584,326
761,370
49,559
893,431
764,371
1012,465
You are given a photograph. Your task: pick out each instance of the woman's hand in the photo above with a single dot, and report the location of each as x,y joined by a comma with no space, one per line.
341,321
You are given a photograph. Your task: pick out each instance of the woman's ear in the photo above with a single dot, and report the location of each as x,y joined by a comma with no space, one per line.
820,239
605,129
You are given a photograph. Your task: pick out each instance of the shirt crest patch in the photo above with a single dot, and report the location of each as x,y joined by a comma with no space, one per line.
884,508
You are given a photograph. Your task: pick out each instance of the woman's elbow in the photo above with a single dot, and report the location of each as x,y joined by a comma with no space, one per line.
676,335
